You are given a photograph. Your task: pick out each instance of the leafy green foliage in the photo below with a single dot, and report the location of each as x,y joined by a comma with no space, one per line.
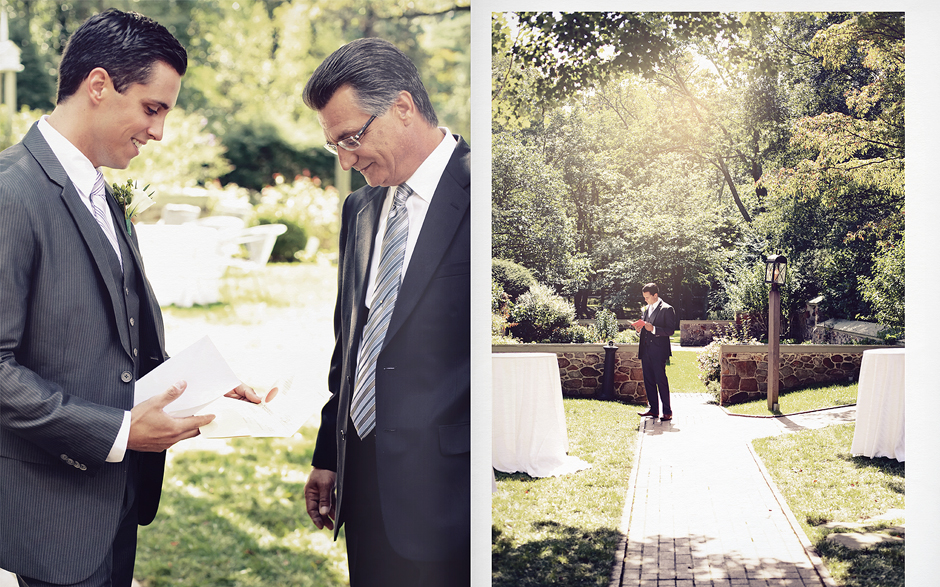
305,203
709,358
258,152
605,324
540,312
512,278
530,222
189,155
884,289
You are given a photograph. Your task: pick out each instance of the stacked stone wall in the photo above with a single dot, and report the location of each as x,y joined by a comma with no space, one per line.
581,367
744,368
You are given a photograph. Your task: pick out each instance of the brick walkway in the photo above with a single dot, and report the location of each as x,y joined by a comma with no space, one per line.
699,510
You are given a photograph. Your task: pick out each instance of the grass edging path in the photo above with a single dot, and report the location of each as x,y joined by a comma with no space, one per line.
565,530
808,547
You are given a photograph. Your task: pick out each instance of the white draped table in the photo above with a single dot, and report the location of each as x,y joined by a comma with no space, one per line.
530,434
879,411
184,262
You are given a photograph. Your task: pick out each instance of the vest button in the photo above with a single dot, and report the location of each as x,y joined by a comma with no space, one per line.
126,377
132,321
135,352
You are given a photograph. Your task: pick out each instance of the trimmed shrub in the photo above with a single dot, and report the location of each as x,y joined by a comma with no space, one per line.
288,244
538,313
512,277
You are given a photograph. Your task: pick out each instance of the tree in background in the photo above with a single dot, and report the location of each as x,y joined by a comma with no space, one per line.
691,145
249,61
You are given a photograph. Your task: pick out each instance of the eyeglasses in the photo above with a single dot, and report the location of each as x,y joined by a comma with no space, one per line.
350,143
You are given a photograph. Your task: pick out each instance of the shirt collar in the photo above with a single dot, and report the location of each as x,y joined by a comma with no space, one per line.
425,179
77,166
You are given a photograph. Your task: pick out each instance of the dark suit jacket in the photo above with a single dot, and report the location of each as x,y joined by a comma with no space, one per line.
422,375
657,346
66,372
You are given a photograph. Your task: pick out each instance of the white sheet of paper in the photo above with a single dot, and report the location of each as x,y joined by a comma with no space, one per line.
282,417
208,377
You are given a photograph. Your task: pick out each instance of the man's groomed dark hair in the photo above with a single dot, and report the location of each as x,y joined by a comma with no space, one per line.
376,70
651,288
125,44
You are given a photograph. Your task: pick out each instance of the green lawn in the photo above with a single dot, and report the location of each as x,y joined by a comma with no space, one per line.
238,520
682,371
822,482
791,402
564,530
234,516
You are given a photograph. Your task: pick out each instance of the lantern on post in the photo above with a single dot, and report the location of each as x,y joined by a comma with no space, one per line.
776,275
9,66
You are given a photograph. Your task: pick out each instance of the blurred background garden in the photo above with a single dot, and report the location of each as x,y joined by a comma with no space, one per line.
241,144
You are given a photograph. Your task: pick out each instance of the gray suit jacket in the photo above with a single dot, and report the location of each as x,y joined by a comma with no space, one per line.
67,372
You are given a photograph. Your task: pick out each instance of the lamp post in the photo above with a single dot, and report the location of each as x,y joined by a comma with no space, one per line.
776,275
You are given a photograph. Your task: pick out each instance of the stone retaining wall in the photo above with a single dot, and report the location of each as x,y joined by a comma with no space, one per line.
581,367
700,332
846,332
744,368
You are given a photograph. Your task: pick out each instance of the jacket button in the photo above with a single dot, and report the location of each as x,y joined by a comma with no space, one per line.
126,377
135,352
132,321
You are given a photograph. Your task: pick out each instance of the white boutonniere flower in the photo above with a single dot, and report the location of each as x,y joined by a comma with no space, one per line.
132,200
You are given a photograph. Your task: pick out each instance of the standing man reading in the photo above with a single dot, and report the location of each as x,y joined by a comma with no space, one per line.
392,460
658,324
80,465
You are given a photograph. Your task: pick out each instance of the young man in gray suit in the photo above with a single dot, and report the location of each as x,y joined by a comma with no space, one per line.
80,465
394,440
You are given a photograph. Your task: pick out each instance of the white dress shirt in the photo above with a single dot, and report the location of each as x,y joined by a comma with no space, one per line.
424,183
649,311
83,174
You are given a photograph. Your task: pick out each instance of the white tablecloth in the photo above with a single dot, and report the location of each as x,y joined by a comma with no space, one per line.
879,413
529,430
184,262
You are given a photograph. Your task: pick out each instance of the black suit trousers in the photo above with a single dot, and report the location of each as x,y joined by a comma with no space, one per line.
656,384
373,561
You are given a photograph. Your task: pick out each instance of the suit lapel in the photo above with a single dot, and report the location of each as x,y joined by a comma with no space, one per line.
85,223
367,221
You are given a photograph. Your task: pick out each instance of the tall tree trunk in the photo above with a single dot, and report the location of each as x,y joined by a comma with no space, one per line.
734,190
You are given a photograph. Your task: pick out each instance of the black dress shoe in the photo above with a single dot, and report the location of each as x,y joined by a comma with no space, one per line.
666,418
647,413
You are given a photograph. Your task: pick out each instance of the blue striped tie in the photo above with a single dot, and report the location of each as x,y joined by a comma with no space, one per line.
99,204
383,304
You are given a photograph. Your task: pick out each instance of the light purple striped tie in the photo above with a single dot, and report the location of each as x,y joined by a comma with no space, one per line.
99,204
386,292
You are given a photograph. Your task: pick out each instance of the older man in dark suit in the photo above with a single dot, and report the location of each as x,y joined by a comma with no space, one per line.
80,465
658,324
394,440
